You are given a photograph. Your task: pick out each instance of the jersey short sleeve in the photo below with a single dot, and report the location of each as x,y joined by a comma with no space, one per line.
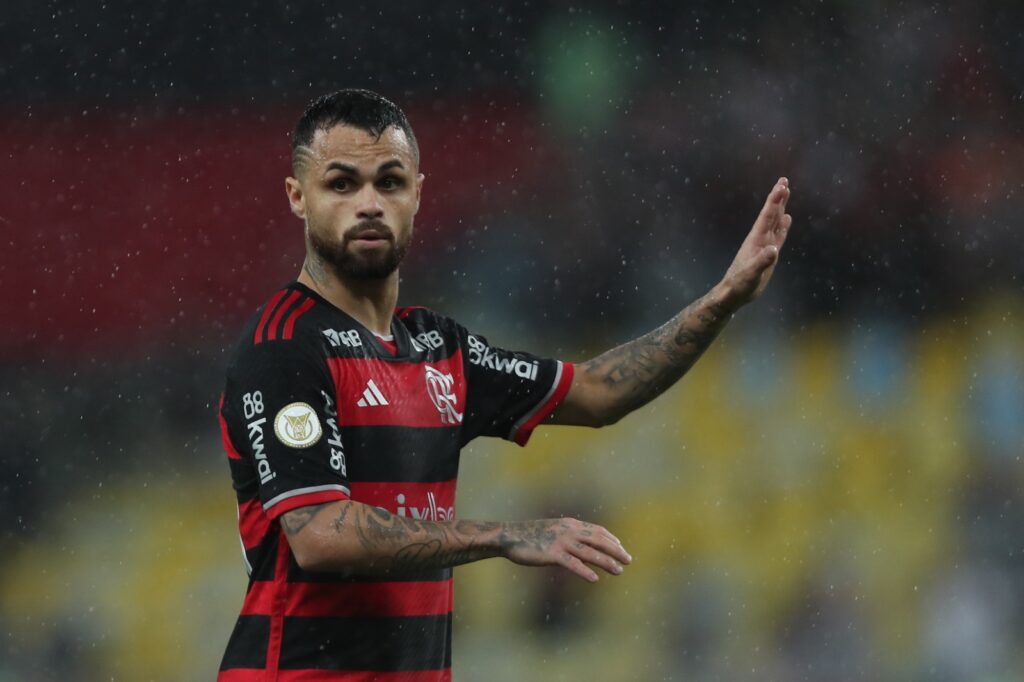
279,409
509,393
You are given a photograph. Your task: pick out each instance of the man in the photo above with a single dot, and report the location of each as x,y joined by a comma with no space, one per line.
343,417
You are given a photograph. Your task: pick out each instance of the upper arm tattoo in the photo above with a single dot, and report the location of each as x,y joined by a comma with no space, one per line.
294,521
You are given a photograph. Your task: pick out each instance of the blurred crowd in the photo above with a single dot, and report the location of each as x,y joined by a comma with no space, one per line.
831,495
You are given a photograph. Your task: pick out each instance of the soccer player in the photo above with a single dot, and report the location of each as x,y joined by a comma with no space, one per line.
343,417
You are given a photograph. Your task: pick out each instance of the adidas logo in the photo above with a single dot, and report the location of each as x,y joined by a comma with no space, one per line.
372,397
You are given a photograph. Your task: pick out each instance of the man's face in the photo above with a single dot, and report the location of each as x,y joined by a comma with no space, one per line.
358,195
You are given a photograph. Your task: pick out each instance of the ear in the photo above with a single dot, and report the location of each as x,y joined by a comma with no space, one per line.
296,199
419,190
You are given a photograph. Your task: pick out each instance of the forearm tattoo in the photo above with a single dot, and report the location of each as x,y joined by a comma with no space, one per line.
389,544
393,544
404,545
641,370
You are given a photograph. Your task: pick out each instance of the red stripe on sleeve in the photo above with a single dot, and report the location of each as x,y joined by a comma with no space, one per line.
266,316
289,503
253,523
225,439
526,430
321,675
272,329
289,326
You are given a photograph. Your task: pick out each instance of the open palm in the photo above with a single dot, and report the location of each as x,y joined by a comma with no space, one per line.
755,261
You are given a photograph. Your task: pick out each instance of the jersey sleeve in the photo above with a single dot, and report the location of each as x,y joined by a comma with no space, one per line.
281,415
509,393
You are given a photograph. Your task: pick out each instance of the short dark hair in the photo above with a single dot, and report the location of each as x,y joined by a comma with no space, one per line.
361,109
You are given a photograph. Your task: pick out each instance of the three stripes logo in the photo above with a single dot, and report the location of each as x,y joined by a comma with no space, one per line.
372,397
279,317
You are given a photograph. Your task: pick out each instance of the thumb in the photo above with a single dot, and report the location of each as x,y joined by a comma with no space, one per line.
766,258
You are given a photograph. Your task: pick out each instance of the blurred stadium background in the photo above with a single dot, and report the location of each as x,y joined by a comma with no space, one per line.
834,493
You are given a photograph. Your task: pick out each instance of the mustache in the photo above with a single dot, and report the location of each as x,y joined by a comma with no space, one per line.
370,229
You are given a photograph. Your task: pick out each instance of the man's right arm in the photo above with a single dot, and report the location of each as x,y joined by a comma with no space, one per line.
355,538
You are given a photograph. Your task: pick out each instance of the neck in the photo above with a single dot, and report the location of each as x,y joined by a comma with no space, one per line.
370,302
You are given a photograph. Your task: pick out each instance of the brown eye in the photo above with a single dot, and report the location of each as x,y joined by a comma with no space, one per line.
341,184
389,182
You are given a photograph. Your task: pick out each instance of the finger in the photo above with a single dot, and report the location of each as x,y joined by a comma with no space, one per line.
779,193
768,218
771,201
591,530
612,547
766,258
574,565
587,530
780,211
615,542
601,538
588,554
782,231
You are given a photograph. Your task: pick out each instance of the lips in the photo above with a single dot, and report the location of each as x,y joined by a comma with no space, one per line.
370,233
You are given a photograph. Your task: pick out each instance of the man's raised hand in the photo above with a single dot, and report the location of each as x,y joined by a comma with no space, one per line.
755,261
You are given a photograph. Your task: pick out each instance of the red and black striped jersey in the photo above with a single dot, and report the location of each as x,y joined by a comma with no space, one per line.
317,408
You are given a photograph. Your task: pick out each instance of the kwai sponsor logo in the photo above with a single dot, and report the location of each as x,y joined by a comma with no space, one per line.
501,361
252,408
334,441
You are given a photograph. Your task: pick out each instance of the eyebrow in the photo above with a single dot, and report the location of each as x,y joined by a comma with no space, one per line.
344,167
352,170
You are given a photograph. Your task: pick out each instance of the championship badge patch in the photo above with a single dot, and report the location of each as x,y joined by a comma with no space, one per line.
297,426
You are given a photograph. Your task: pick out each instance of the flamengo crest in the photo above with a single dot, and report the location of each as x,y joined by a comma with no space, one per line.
439,388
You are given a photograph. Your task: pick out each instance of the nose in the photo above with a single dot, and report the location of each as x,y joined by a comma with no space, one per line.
369,206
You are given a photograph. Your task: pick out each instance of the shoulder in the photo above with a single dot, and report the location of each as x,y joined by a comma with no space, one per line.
420,319
287,325
424,323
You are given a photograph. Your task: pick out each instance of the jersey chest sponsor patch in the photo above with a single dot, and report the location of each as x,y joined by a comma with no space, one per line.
422,501
374,392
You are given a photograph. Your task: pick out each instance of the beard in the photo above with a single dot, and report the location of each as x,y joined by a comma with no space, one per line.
364,265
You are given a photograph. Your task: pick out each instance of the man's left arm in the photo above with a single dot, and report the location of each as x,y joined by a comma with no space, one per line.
619,381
